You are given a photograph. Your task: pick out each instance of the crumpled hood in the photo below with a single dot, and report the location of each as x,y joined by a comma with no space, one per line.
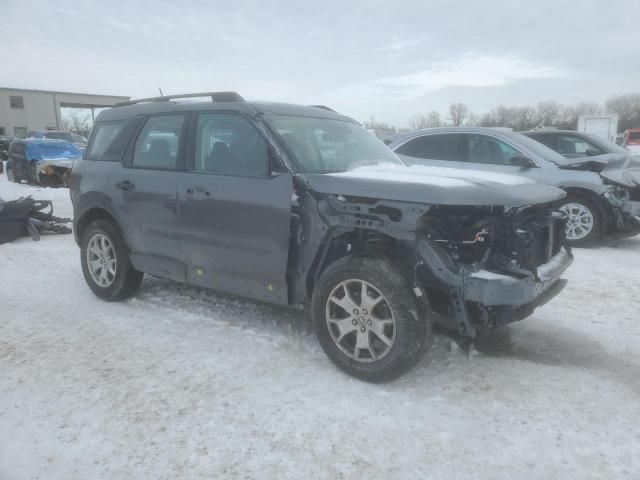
624,170
615,167
435,185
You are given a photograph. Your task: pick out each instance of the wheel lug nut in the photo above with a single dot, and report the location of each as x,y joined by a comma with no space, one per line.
355,311
362,329
354,321
369,322
364,311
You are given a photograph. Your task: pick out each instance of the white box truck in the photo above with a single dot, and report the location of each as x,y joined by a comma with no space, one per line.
605,126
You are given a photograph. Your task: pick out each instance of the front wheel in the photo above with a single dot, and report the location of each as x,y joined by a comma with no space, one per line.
105,262
368,320
584,221
11,175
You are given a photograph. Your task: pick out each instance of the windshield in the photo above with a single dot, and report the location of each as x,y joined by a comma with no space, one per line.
539,149
77,138
321,145
60,136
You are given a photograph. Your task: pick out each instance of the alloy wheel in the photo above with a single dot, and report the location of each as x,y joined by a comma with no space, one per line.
101,260
360,321
579,221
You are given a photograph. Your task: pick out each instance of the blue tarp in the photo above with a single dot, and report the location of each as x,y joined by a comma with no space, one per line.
42,150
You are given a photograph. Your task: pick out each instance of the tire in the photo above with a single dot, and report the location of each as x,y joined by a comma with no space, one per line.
585,224
111,284
405,323
11,175
35,179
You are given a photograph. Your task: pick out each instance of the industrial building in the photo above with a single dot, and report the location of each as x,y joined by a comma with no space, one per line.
24,110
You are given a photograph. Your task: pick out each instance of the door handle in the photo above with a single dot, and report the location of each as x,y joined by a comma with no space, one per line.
198,193
124,185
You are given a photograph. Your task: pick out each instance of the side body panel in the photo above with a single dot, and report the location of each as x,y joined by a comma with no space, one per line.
235,233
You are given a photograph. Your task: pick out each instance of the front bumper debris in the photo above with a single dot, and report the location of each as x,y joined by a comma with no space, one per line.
513,296
490,288
626,212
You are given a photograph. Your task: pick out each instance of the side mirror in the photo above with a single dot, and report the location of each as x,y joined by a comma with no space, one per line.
592,152
522,161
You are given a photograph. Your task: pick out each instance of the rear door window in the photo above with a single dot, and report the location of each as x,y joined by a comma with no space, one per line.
158,144
490,150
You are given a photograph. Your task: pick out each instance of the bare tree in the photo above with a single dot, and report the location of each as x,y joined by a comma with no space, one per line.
430,120
500,116
524,118
418,121
458,112
76,121
380,129
547,112
473,120
628,108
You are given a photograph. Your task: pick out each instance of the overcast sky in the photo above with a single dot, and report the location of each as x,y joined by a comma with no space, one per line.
390,59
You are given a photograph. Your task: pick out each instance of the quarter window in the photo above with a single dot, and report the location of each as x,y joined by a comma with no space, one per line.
158,144
434,147
104,133
489,150
229,144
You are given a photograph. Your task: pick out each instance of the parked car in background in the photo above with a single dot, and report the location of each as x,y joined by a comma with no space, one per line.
5,140
602,199
572,144
300,206
631,140
41,162
78,140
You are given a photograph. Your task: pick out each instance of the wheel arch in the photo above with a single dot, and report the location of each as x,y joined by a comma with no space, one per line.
90,215
337,246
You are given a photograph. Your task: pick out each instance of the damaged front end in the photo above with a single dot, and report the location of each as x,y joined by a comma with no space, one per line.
622,198
491,267
476,265
52,173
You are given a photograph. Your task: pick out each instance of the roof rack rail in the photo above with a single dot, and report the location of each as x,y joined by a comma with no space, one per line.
215,97
323,107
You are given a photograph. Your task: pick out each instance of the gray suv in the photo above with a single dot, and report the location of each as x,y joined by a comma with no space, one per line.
300,206
603,197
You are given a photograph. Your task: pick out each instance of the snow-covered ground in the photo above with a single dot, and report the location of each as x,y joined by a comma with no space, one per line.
184,383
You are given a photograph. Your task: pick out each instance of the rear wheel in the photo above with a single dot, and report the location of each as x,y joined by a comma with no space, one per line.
367,319
584,221
105,262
